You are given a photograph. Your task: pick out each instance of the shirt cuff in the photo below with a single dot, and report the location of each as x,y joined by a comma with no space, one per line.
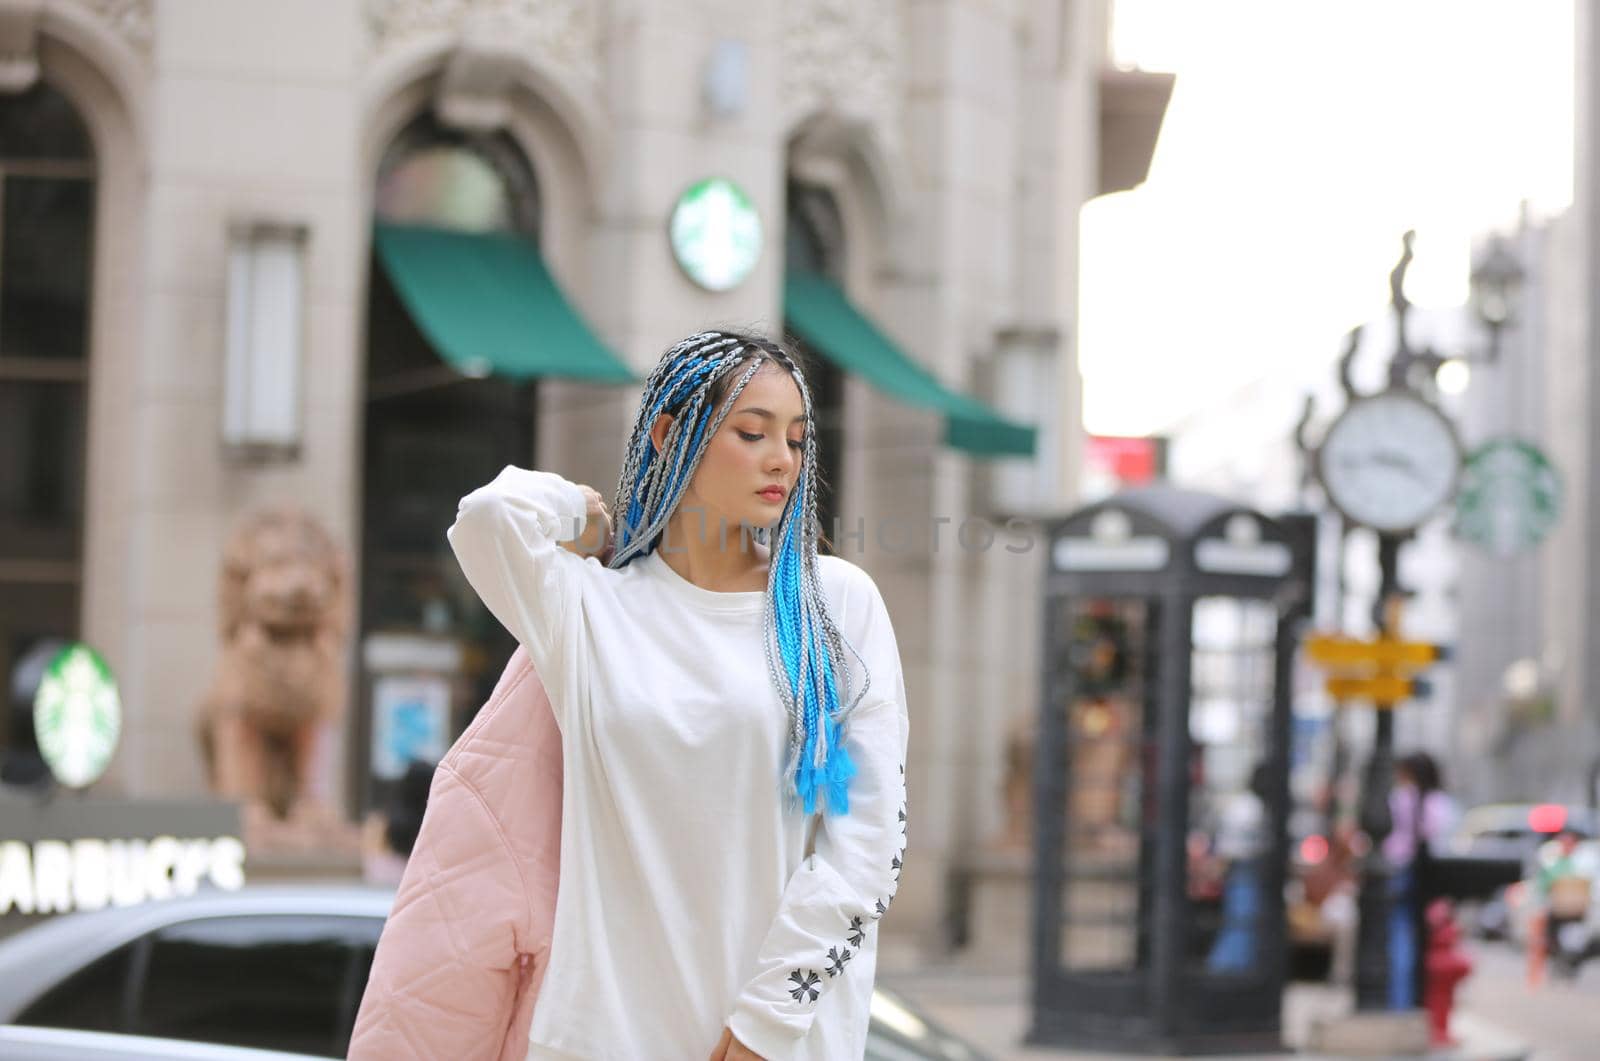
773,1040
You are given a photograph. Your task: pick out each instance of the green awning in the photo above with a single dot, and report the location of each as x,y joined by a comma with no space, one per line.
818,312
490,307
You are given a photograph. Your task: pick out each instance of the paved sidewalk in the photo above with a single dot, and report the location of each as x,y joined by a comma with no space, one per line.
991,1010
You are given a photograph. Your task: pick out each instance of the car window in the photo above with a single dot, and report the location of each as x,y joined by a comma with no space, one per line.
92,999
273,982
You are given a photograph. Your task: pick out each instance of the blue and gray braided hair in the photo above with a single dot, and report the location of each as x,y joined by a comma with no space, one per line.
697,382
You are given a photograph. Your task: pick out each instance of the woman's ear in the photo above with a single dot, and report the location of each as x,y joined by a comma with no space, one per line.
658,431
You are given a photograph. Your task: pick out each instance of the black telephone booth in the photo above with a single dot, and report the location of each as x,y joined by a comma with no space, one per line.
1161,775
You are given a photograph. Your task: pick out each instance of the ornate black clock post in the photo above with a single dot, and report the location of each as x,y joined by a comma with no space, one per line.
1390,461
1372,944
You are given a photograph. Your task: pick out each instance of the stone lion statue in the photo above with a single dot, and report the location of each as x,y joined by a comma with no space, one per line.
280,676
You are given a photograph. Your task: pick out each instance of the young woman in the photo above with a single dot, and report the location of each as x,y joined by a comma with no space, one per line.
732,718
1423,815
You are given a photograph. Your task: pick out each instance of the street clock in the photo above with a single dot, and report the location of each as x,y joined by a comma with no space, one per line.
1390,461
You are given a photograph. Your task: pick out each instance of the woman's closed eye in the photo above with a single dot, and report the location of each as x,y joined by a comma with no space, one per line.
793,443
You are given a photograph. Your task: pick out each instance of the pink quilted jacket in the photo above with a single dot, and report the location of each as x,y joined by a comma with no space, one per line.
465,949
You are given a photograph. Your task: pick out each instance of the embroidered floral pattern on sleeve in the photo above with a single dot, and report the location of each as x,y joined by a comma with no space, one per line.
803,983
895,864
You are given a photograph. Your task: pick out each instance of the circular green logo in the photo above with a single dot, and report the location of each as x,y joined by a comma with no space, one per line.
716,234
1510,497
77,716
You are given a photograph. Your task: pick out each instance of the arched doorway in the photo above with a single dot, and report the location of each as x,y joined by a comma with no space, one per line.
47,196
814,243
432,433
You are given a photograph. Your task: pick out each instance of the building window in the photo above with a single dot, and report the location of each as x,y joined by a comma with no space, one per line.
47,189
814,243
432,434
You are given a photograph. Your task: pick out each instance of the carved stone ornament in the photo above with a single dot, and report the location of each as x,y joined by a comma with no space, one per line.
19,44
560,35
842,56
133,20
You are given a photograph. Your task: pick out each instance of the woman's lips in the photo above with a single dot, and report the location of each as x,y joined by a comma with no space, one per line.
773,494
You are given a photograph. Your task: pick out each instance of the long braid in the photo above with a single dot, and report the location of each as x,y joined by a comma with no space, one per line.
804,648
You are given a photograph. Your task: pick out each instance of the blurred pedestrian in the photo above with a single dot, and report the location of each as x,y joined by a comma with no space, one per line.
1568,873
1241,842
1422,815
391,835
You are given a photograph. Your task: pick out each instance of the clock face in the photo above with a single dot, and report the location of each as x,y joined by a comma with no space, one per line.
1390,461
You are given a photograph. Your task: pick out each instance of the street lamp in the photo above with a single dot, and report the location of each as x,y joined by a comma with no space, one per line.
1496,290
1495,294
265,341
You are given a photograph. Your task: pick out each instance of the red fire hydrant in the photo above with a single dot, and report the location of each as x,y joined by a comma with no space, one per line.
1447,965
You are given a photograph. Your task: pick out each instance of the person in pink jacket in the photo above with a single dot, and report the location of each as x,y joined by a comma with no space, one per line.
729,736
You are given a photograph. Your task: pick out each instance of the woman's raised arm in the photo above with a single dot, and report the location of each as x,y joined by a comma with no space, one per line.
508,539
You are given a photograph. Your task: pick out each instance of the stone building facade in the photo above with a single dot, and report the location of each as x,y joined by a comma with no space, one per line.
950,142
1528,727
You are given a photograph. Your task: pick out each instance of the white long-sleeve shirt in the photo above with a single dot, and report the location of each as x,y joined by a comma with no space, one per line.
687,899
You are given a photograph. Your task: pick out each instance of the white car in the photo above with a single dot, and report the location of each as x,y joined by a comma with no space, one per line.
263,973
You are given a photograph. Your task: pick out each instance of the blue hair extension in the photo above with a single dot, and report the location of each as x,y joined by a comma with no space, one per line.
804,647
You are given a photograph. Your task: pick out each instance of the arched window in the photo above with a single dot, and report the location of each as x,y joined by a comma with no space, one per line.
437,176
433,433
47,191
814,243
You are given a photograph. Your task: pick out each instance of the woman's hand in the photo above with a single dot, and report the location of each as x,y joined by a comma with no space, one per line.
596,536
731,1049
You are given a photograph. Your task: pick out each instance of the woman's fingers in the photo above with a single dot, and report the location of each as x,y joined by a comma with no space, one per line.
720,1051
596,534
597,507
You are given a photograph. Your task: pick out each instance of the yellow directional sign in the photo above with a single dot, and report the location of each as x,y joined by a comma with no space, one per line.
1377,671
1347,653
1383,691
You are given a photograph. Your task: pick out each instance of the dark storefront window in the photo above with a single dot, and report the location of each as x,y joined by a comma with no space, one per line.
431,435
814,243
47,188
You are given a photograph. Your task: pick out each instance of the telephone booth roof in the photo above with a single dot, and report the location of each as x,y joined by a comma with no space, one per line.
1141,540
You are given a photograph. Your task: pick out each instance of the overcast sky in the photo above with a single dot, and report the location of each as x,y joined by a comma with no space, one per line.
1303,138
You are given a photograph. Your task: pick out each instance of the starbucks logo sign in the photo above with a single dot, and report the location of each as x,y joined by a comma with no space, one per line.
1510,497
716,234
77,716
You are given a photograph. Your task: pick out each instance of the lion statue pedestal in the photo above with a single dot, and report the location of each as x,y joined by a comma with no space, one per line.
279,689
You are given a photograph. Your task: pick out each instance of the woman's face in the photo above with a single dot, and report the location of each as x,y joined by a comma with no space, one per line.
751,465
